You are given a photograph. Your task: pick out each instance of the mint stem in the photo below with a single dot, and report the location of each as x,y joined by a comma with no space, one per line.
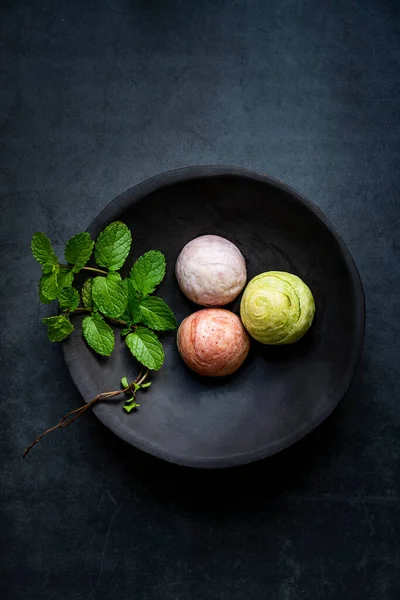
111,319
85,269
77,412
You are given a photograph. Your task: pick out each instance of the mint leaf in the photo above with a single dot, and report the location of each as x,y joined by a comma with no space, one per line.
136,387
156,314
112,246
86,293
68,298
58,328
124,382
98,334
125,331
65,278
148,271
110,294
48,287
145,385
131,313
43,252
78,250
128,406
146,347
43,299
133,308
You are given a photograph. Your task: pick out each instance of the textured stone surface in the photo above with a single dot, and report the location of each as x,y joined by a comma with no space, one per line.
97,96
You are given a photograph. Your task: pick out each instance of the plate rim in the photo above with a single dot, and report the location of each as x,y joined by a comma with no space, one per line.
156,182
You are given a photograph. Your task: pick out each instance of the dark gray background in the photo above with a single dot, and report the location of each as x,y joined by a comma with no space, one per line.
95,97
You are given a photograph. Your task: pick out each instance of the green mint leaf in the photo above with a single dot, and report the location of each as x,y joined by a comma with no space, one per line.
133,307
42,299
136,387
110,294
148,271
124,382
65,278
146,348
156,314
129,407
112,246
68,298
78,250
145,385
98,334
48,286
87,293
58,328
43,252
125,331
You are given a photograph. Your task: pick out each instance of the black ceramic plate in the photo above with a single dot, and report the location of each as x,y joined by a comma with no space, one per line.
281,393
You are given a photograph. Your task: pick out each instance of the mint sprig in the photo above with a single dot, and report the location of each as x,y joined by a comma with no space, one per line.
132,389
106,299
